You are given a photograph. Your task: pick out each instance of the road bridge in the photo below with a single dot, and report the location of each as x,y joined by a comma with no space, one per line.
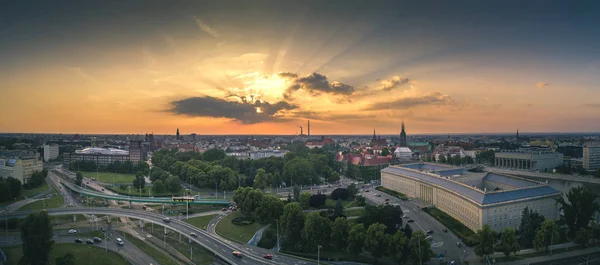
220,247
539,175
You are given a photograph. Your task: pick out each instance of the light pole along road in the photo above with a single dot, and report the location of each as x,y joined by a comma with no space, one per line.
223,248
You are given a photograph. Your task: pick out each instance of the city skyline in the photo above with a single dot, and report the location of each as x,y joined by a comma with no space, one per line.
267,67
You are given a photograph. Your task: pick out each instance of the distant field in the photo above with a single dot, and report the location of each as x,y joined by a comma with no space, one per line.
84,254
35,191
54,202
109,177
241,234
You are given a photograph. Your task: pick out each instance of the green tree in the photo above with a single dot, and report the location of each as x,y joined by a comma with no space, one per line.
333,177
298,171
487,239
546,235
338,209
356,239
597,173
172,184
579,208
397,247
317,231
509,241
376,241
305,199
530,222
213,155
442,159
252,201
407,231
78,178
352,190
261,180
361,201
296,193
292,223
339,234
36,235
67,259
158,186
139,182
583,236
269,210
385,151
419,249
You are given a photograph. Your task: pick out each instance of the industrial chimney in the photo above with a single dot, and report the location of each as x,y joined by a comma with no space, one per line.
308,128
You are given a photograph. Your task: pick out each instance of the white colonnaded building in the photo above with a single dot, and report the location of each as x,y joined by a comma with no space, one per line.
473,199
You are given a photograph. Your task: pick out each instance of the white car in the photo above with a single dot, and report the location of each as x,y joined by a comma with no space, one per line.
120,242
72,231
193,234
166,219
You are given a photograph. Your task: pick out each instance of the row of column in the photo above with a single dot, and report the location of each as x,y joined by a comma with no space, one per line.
426,193
514,163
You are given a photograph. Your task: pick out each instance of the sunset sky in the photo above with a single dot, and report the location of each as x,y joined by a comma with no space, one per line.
265,67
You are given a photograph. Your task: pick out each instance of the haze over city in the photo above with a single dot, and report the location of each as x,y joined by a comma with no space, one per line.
265,67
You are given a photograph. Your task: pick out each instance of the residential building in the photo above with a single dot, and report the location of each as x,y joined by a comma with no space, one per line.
529,158
591,156
50,152
20,168
473,199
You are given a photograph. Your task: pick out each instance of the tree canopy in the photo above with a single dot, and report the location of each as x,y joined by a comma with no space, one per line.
36,235
579,208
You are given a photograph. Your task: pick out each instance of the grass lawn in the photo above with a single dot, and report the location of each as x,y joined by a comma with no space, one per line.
355,212
199,208
455,226
158,256
201,255
237,233
35,191
84,254
54,202
201,221
394,193
107,177
330,204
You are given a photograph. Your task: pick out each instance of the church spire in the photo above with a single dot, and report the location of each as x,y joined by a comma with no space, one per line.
517,134
403,142
402,125
374,133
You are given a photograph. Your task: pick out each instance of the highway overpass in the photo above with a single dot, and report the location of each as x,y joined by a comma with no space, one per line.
223,248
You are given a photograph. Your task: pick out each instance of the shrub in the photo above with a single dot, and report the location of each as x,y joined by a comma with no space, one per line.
317,200
242,221
339,193
269,239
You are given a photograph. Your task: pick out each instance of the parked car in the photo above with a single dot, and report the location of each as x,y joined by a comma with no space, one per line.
458,244
78,241
268,256
387,200
237,254
120,242
429,238
445,230
89,241
429,232
103,229
410,221
97,239
72,231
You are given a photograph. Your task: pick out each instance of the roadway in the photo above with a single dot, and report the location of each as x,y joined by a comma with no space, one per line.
128,251
442,243
220,247
586,259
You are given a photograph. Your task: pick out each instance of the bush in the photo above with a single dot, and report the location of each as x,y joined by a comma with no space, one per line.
394,193
317,200
339,193
242,221
269,239
469,237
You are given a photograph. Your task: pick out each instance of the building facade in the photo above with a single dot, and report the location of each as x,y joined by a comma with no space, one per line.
20,168
474,199
591,156
50,152
532,158
106,156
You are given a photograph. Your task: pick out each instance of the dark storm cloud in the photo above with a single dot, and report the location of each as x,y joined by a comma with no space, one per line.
433,98
220,108
315,84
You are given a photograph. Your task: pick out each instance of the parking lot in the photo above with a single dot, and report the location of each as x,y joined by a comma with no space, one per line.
442,242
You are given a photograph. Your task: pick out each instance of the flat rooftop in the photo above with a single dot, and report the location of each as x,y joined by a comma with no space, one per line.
522,188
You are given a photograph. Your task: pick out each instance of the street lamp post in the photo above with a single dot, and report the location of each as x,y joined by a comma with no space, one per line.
319,254
277,222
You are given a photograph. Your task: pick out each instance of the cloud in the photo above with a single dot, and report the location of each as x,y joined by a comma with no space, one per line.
431,98
245,112
542,85
394,82
206,28
329,116
315,84
594,105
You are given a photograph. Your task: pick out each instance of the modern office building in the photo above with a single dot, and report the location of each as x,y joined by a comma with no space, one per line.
474,199
50,152
591,156
106,156
20,168
529,158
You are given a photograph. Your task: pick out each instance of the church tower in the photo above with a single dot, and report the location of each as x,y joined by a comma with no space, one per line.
403,142
374,137
177,135
517,134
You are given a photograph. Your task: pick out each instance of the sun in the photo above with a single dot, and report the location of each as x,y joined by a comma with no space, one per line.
258,110
265,87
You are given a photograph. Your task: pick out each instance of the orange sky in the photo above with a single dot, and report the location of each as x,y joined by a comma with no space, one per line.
208,72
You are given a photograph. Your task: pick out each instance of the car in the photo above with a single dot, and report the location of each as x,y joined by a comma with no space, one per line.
102,229
458,244
144,207
78,241
387,203
224,209
445,230
72,231
268,256
237,254
120,242
405,216
166,219
193,234
366,190
410,221
377,195
429,238
387,200
89,241
102,189
429,232
97,239
87,182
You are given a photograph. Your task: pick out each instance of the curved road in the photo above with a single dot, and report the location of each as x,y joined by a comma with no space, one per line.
221,247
